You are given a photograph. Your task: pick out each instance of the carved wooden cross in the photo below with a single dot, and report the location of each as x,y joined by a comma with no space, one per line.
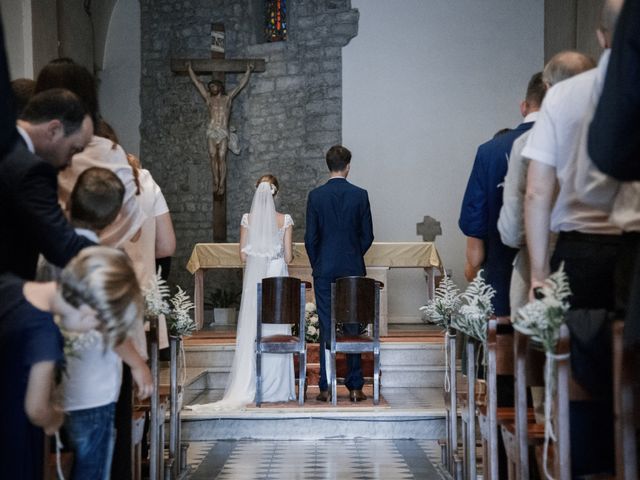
218,65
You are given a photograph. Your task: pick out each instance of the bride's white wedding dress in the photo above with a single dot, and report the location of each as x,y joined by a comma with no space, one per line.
278,380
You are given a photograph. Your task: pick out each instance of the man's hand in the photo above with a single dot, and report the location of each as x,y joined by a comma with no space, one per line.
470,271
144,383
535,284
139,369
56,420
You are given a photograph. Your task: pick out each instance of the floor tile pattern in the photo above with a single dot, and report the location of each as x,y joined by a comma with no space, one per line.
358,459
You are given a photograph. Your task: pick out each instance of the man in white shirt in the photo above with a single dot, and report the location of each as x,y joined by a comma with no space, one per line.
587,242
562,65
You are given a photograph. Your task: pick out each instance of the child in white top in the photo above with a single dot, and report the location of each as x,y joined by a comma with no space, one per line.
91,384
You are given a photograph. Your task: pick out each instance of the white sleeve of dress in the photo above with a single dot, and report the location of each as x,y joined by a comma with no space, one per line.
288,221
245,221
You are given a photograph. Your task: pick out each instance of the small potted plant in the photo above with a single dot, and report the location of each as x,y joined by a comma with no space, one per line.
223,302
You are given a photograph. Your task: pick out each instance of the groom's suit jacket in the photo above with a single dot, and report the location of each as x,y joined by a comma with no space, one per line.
339,229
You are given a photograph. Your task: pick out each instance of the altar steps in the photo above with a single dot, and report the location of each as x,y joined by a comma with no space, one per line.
402,364
412,365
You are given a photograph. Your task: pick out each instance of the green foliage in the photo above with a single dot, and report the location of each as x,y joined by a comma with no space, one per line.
467,312
476,310
541,318
222,298
445,304
158,301
179,321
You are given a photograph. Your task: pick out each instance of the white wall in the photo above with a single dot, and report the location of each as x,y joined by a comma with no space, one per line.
119,88
424,83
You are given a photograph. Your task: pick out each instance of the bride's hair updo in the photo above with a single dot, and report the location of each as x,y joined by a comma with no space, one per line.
275,186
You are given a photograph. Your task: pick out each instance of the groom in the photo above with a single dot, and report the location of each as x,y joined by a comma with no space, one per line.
338,234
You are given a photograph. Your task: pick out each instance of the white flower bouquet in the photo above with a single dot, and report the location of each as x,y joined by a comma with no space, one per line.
468,311
541,318
476,309
311,322
444,306
176,309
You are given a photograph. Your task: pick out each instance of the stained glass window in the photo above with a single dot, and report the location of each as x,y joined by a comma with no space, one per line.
276,20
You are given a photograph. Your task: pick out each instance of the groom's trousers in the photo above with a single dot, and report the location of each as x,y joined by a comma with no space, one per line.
353,380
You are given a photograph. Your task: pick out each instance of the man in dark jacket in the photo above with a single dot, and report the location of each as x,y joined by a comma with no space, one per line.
339,232
54,126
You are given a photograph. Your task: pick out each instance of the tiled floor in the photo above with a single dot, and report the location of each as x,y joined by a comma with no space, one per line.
314,459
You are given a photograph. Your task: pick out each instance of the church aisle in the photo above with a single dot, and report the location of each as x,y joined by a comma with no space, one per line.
314,459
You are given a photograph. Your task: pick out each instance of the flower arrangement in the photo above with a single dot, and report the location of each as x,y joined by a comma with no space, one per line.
476,309
444,306
541,318
467,311
179,321
311,322
155,297
175,309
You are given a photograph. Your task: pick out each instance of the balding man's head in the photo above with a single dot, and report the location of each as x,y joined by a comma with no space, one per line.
564,65
608,19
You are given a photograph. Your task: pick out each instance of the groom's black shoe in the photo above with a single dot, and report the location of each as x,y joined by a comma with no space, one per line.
323,396
357,395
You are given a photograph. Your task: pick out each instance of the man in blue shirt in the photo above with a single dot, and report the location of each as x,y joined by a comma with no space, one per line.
483,200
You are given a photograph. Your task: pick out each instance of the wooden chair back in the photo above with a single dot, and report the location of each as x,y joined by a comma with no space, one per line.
280,300
355,300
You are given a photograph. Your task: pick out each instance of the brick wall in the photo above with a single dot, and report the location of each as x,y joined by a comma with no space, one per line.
285,118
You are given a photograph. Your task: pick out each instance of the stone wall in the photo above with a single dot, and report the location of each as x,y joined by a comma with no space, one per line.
286,117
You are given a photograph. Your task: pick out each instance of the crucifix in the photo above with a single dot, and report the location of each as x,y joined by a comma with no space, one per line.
220,138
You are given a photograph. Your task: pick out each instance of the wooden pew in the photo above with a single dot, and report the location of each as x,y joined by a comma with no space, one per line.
626,424
522,432
468,414
560,452
450,444
499,355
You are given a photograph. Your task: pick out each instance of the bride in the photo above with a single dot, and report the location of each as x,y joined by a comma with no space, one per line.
266,248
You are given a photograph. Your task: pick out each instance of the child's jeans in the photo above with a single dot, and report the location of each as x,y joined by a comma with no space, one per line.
91,434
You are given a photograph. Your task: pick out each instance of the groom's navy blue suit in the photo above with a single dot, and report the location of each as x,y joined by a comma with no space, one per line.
339,232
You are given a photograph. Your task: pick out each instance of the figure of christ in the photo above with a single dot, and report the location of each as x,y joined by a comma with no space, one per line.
219,138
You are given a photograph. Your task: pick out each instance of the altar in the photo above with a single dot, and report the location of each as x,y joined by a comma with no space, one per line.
379,259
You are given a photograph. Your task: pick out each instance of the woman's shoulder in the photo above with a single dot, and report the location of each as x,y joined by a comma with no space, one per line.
287,220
